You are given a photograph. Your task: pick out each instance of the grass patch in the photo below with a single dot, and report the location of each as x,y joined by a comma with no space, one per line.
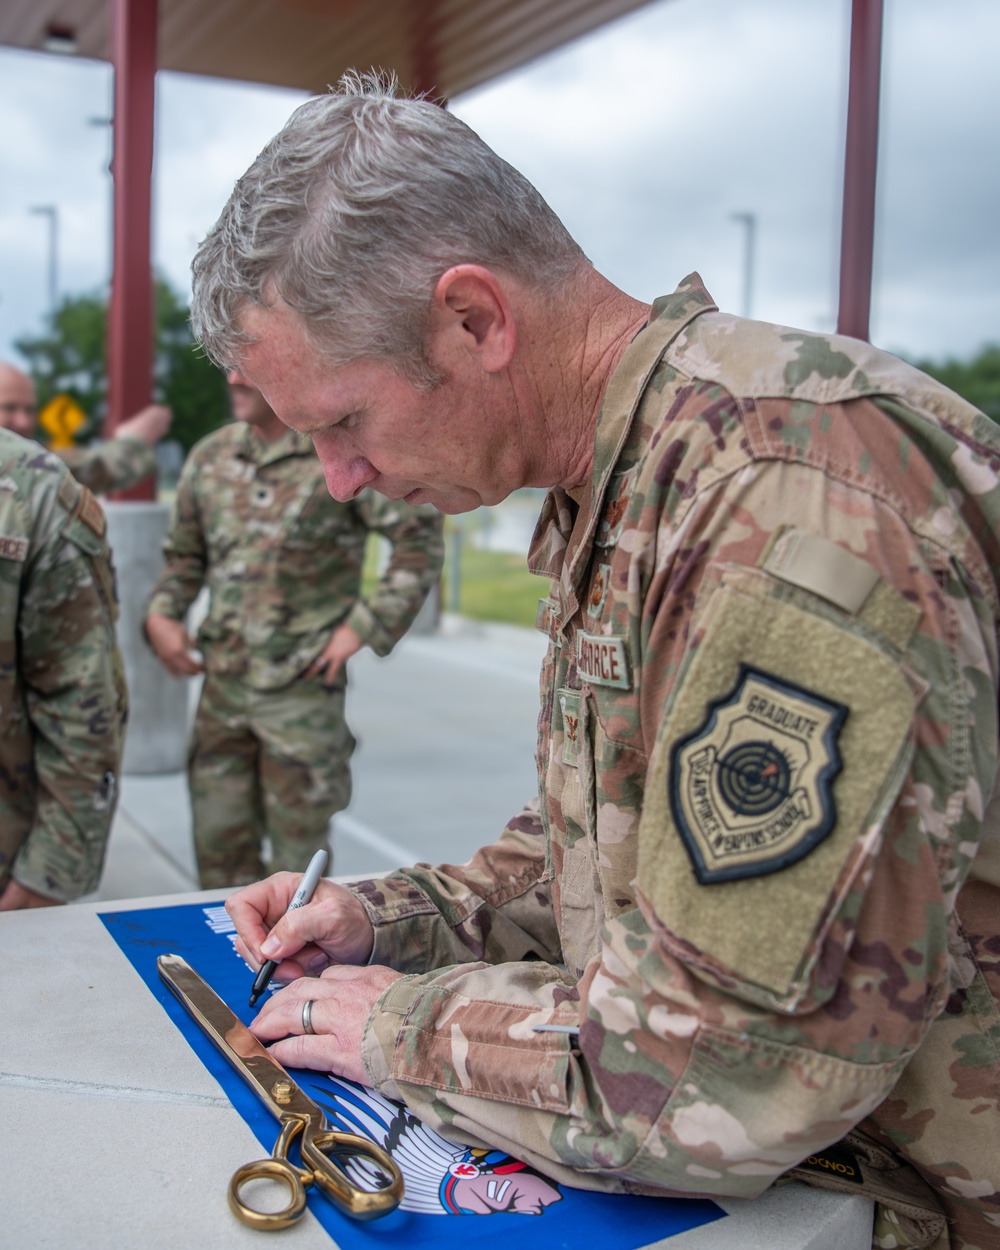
493,585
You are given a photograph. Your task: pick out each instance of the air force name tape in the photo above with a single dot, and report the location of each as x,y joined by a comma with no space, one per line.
602,660
13,547
750,788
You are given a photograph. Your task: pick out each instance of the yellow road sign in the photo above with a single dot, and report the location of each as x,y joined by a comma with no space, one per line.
61,417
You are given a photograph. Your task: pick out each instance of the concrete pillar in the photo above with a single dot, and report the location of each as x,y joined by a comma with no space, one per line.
156,741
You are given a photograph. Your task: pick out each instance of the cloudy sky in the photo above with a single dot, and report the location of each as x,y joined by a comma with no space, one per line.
646,137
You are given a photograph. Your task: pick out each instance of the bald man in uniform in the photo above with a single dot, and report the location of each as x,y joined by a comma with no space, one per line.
115,464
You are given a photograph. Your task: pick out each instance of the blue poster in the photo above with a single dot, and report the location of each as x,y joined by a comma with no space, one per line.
443,1178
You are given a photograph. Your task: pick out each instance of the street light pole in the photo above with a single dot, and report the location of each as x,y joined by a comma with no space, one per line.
50,211
749,221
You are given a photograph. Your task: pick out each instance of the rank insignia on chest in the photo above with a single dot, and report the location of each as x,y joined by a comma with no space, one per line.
598,590
610,528
751,788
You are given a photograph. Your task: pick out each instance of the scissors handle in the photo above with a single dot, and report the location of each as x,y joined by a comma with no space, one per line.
277,1168
319,1150
322,1149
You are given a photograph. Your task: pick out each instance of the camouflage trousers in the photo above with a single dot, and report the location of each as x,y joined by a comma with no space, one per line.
268,764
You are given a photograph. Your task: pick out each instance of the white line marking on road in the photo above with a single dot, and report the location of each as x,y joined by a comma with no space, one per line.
357,831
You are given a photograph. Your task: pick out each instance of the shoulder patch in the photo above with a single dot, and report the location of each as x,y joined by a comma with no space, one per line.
91,513
69,492
764,801
750,789
816,564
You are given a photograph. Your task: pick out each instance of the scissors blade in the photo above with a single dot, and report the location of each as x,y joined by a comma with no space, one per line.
264,1074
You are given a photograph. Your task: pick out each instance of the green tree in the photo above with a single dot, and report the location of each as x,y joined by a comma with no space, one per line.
186,380
69,359
977,380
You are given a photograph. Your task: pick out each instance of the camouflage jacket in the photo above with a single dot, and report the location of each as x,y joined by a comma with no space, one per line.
282,559
763,879
62,684
115,464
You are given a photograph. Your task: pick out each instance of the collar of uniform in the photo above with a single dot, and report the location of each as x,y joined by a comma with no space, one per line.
291,443
562,531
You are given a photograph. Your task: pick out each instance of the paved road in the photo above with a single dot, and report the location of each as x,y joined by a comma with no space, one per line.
446,734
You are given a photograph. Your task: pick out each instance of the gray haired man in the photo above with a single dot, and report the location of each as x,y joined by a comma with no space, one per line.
751,925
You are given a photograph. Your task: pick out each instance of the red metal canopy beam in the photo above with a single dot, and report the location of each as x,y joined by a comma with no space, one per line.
857,240
130,318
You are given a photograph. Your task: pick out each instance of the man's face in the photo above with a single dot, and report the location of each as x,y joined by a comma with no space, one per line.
17,402
522,1193
246,403
373,428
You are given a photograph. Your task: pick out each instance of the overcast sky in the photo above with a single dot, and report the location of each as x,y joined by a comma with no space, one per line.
646,137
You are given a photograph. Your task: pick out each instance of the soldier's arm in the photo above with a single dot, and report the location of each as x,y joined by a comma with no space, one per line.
495,908
184,551
729,1028
76,703
124,460
115,464
416,534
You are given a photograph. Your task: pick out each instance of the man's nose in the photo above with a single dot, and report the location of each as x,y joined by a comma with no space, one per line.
23,422
347,478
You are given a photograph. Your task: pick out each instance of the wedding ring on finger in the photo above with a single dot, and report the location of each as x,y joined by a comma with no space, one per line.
307,1024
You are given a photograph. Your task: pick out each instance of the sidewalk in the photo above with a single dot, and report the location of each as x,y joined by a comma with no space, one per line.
446,738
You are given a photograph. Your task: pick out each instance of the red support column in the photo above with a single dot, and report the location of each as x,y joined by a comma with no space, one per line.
130,317
857,240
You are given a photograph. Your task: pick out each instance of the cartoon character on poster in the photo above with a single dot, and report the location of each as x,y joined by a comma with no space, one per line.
442,1177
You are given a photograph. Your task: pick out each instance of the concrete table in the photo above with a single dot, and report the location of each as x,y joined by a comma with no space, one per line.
115,1136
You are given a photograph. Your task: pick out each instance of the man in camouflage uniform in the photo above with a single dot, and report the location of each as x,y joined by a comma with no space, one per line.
282,561
114,464
752,925
62,686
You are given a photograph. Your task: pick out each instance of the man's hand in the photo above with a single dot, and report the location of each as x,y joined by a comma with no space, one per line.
150,424
343,999
344,642
15,898
331,929
173,646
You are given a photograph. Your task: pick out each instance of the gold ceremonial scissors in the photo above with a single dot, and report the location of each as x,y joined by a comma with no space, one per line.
297,1114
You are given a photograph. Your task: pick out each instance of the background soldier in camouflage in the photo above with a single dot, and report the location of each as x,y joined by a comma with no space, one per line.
752,925
114,464
62,685
282,560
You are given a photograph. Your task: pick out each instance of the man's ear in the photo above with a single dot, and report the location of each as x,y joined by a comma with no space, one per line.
472,314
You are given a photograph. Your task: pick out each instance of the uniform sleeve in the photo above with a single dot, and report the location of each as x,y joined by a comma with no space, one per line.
776,975
184,551
416,535
76,704
495,908
115,464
